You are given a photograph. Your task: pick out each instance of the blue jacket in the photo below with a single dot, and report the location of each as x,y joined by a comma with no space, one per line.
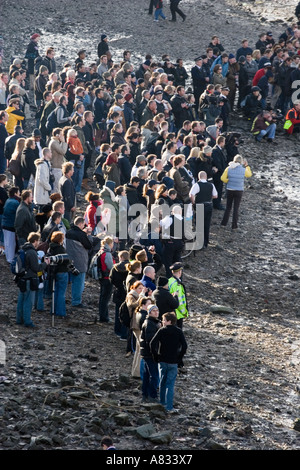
147,282
9,213
224,66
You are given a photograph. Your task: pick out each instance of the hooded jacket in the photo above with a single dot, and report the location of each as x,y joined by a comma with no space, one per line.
32,265
42,187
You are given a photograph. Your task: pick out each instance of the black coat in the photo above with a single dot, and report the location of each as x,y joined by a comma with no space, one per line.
117,276
219,160
149,329
165,301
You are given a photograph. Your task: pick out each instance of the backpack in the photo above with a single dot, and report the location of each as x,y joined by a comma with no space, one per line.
94,270
124,314
51,122
17,265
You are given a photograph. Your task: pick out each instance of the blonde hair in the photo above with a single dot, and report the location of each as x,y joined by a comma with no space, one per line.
107,241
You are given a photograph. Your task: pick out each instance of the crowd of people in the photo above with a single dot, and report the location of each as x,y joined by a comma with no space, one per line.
157,140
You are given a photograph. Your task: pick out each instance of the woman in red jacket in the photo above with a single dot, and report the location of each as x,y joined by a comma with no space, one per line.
90,213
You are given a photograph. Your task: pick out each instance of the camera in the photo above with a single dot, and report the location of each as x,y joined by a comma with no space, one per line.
73,270
57,259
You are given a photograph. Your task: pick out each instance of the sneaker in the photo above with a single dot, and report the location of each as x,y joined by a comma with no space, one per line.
155,21
173,411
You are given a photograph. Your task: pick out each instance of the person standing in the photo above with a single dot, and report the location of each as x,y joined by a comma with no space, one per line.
32,52
203,192
105,265
58,147
219,161
42,186
175,9
60,273
67,190
150,375
234,176
8,222
78,245
168,346
176,286
117,276
28,284
25,221
3,137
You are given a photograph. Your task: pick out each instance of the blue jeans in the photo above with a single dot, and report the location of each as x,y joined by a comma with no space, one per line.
168,374
38,299
159,12
61,284
269,132
150,378
77,288
24,306
78,175
105,293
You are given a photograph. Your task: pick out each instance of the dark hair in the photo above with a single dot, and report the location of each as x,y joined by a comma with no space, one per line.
13,191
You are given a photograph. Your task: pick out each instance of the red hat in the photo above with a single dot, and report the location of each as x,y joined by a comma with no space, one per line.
128,96
35,35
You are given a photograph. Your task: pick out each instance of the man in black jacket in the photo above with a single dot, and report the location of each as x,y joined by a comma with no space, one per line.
150,373
28,284
168,347
200,79
180,107
164,300
24,221
89,135
67,190
219,161
117,277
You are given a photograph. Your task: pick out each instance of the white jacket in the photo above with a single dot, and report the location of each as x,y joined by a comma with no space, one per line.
42,187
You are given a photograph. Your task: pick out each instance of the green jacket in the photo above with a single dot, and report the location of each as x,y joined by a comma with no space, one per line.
175,285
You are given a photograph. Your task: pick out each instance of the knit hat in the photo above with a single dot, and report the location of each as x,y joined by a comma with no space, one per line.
141,158
162,281
242,59
140,80
152,307
103,36
231,56
110,185
128,96
34,36
36,133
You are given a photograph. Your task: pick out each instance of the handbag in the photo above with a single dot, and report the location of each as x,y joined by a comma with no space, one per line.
14,167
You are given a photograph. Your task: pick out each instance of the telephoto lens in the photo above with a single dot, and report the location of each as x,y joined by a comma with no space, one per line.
58,258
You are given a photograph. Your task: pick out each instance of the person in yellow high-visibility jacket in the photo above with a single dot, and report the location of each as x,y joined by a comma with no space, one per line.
15,116
176,287
292,119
